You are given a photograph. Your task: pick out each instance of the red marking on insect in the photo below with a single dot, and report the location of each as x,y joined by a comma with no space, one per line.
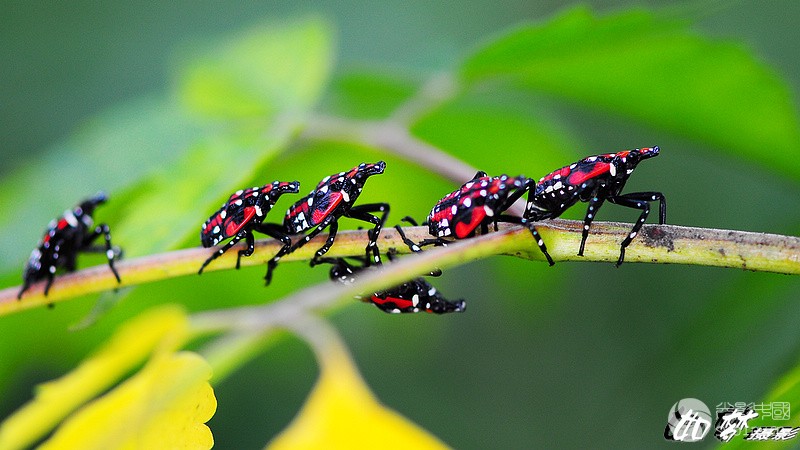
326,207
232,226
464,228
578,177
400,303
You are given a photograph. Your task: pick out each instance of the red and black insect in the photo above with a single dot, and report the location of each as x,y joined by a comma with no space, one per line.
332,199
243,213
66,236
594,179
410,297
471,209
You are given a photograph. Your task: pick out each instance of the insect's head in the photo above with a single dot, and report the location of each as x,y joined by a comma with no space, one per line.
632,157
88,205
366,170
278,188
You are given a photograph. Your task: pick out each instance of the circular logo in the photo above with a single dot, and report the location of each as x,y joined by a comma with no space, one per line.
689,420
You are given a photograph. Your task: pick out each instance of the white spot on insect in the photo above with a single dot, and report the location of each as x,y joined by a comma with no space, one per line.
415,248
590,159
586,227
259,213
70,218
483,193
612,169
589,216
324,189
238,202
110,254
469,185
215,230
488,211
633,235
52,269
540,242
467,202
432,291
446,233
454,210
629,171
558,185
310,201
345,197
239,192
415,300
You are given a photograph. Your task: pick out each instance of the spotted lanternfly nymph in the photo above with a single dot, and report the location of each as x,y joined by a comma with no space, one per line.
470,209
332,199
410,297
243,213
66,236
594,179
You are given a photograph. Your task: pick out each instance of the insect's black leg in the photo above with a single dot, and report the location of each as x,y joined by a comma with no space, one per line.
250,239
50,276
26,283
415,248
651,197
363,212
333,228
275,231
111,253
410,220
591,212
236,238
636,200
540,242
103,228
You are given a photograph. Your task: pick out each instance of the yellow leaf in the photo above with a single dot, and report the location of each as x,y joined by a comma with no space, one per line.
342,413
164,328
163,406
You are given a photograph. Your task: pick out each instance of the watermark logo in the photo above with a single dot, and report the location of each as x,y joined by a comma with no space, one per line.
689,420
731,422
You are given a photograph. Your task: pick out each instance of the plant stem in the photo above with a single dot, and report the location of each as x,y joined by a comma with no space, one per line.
667,244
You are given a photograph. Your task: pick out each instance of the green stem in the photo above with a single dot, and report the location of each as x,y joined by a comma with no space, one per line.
666,244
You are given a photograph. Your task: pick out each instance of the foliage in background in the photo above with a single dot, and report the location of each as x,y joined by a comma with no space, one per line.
237,116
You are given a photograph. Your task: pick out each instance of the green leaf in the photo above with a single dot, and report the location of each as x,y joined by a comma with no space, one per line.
489,129
654,69
266,69
272,74
366,94
115,149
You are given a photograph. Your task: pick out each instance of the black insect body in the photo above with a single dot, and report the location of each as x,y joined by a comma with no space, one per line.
333,198
474,207
409,297
594,179
243,213
66,236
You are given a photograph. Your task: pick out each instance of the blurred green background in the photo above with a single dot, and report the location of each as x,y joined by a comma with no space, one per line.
575,355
